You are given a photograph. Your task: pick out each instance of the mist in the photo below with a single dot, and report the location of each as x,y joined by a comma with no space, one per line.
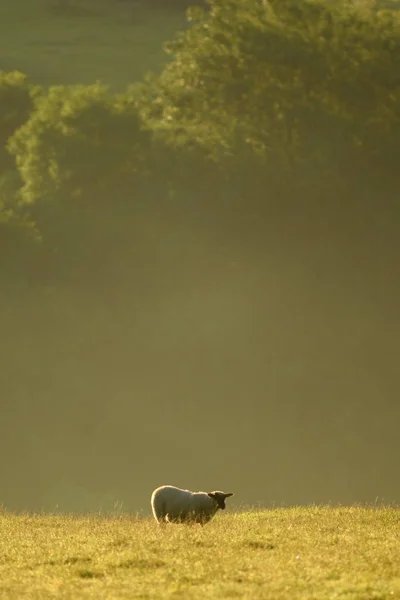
261,359
247,342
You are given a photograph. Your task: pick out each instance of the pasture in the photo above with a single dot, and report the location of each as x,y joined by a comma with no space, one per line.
318,553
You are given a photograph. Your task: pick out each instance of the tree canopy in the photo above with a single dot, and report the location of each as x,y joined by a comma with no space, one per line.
293,80
300,85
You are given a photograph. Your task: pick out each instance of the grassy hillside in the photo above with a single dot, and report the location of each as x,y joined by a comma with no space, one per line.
299,553
80,41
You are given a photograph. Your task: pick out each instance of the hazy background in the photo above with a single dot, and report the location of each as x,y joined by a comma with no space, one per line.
254,352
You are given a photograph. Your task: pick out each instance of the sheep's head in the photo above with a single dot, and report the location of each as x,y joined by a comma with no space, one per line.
219,498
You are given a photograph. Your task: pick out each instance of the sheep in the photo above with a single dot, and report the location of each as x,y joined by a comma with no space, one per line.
173,505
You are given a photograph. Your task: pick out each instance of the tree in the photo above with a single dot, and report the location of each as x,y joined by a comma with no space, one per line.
78,138
16,103
293,81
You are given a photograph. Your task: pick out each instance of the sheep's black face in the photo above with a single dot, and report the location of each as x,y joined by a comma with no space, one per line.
221,503
219,498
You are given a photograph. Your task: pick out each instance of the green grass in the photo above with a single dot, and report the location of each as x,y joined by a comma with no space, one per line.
308,553
81,41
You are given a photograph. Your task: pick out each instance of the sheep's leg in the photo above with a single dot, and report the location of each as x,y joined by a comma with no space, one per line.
160,513
162,519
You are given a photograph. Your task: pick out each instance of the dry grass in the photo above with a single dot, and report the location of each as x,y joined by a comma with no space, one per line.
299,553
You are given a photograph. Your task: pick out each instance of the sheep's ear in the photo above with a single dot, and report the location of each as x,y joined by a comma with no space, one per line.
228,495
212,495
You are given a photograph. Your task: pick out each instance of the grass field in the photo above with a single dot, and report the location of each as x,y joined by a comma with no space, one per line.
81,41
298,553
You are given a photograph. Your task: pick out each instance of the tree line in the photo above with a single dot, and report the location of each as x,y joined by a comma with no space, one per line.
259,98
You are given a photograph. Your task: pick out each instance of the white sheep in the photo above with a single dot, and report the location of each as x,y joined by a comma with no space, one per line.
173,505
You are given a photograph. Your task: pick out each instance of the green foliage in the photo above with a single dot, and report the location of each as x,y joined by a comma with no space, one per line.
16,104
78,139
296,553
290,82
290,79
